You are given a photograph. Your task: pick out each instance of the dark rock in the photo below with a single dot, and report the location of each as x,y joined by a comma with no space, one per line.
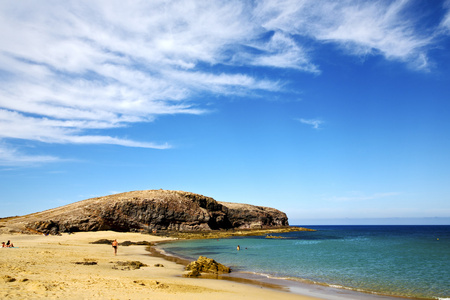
141,243
193,273
153,211
102,242
129,265
7,278
126,243
254,217
86,263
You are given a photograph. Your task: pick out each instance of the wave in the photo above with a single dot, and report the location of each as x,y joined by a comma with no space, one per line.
297,283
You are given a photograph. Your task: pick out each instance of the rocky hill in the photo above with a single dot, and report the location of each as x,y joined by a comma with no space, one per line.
147,211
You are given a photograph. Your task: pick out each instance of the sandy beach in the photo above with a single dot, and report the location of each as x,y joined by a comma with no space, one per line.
69,267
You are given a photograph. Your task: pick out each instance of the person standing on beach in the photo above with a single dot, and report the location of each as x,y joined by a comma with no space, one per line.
115,244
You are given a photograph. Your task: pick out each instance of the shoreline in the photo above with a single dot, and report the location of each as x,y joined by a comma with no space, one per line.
70,267
234,276
295,285
59,267
222,234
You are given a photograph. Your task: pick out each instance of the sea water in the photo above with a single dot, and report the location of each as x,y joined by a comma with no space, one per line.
406,261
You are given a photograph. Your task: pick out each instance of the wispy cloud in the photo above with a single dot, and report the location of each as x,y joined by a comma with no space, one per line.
445,23
12,157
315,123
360,28
69,68
18,126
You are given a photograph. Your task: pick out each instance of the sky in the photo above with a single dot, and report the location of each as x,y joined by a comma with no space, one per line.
326,110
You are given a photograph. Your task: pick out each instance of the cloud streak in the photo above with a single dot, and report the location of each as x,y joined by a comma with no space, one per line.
315,123
445,23
360,28
13,157
69,68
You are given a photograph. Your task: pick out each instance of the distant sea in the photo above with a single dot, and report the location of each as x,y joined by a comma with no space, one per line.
405,261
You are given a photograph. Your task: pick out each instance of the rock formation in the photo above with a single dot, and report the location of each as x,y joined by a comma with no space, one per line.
151,210
205,265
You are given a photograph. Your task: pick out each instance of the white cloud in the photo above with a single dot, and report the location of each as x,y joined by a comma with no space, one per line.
360,27
315,123
280,51
445,23
67,68
13,157
17,126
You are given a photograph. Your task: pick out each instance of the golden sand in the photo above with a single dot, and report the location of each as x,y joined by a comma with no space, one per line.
69,267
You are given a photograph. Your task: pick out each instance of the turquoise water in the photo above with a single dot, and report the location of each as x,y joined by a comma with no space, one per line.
408,261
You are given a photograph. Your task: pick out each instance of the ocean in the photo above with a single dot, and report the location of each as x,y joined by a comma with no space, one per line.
404,261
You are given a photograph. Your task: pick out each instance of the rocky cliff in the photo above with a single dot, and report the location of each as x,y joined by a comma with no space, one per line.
148,211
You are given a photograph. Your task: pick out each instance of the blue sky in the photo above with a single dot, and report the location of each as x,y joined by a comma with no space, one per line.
322,109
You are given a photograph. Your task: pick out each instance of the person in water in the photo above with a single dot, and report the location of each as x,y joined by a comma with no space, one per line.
238,248
115,244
